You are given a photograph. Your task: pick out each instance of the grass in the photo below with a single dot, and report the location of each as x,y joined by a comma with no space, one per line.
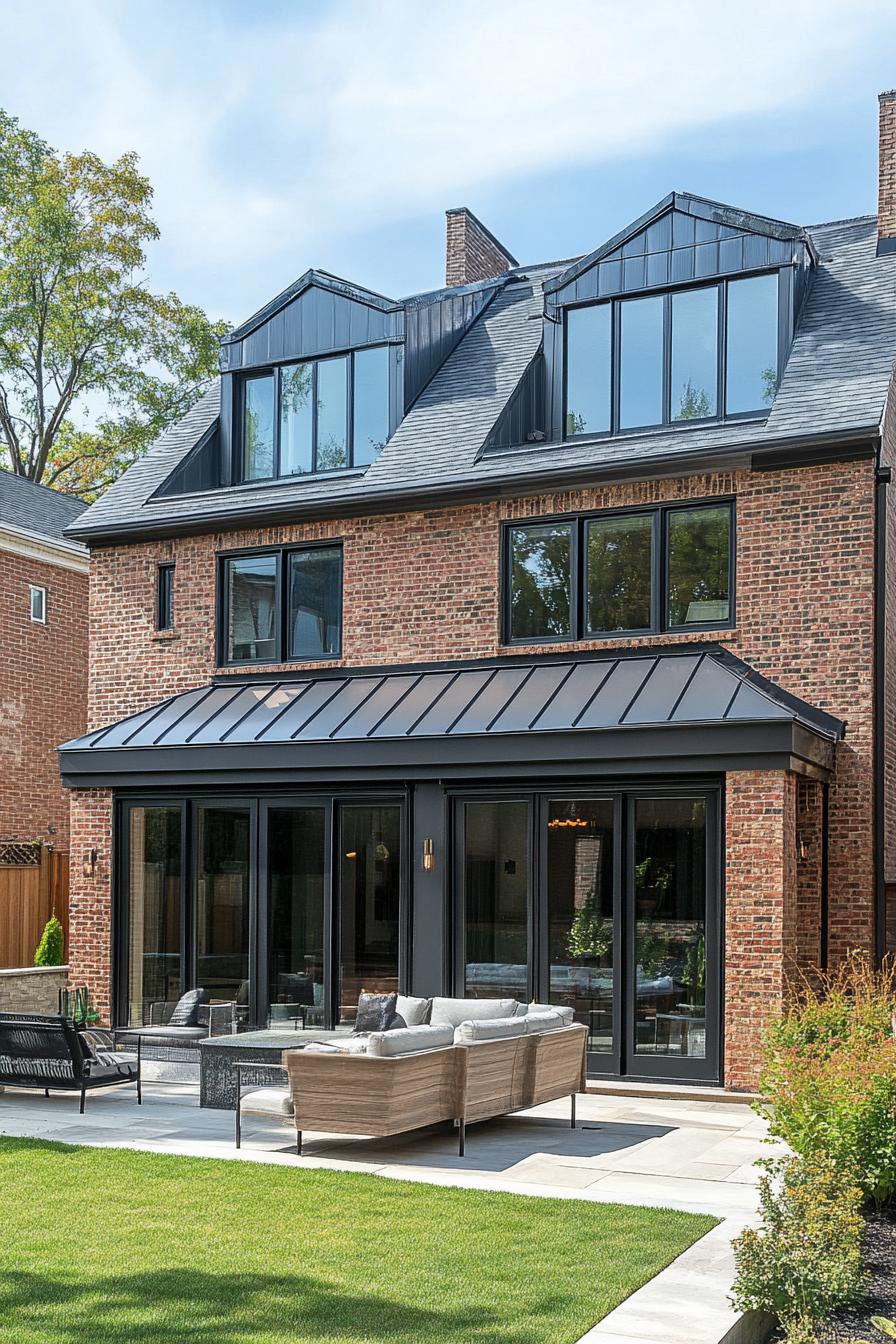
106,1246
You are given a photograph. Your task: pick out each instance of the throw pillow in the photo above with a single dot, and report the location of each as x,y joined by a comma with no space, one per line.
410,1012
375,1012
186,1010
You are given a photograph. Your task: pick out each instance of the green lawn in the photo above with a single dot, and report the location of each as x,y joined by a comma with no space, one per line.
103,1246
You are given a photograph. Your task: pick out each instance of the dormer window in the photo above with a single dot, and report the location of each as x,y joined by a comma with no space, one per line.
704,353
315,416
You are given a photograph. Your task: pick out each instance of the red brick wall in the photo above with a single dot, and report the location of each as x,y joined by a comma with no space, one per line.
43,693
886,186
90,898
888,458
471,253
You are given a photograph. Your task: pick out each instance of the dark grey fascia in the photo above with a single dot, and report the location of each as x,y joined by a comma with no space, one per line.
774,744
792,450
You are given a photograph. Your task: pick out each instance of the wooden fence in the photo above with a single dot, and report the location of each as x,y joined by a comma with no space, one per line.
30,892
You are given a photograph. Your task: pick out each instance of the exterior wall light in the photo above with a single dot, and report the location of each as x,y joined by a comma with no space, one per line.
429,858
88,865
802,847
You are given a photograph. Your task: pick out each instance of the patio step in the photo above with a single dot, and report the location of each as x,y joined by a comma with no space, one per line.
621,1087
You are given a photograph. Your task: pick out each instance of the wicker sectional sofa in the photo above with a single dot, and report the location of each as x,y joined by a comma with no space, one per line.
462,1066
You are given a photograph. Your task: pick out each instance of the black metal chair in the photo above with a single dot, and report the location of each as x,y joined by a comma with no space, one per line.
164,1040
47,1051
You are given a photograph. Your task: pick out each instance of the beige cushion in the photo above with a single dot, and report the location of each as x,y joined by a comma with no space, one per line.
455,1011
568,1014
408,1040
489,1029
414,1011
268,1101
342,1045
543,1022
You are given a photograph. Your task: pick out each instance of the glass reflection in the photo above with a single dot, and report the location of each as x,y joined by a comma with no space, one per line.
752,355
222,905
258,428
296,417
369,904
699,563
540,580
154,913
371,404
620,563
695,341
641,363
251,608
588,364
315,601
496,900
580,914
332,413
296,874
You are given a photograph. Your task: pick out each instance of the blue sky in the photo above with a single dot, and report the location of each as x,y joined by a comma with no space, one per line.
280,136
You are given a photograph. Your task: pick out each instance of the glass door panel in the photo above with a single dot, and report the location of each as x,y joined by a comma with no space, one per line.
369,903
669,892
581,914
296,920
496,887
155,950
222,904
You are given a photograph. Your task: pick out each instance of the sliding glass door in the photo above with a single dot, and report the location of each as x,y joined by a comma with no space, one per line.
154,914
494,853
295,924
369,903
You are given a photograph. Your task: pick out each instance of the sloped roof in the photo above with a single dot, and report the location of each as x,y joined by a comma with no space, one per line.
379,714
36,508
834,386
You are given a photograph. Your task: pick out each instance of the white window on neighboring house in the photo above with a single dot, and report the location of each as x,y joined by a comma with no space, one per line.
38,604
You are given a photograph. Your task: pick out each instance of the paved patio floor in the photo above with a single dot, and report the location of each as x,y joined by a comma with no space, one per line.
693,1155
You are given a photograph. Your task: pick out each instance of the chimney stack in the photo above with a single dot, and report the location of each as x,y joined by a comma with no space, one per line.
886,181
471,252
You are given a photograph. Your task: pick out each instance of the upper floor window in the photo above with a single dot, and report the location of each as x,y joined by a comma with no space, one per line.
38,604
630,572
691,354
165,597
279,606
319,415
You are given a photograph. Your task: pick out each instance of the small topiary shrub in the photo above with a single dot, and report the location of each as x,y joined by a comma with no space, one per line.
806,1257
830,1075
51,948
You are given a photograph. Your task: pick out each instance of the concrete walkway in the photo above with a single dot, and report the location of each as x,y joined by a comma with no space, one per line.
692,1155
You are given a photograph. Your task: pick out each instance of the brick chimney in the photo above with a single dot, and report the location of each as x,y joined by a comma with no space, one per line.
471,252
886,180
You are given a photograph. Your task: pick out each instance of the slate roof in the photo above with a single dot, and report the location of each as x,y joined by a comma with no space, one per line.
36,508
835,384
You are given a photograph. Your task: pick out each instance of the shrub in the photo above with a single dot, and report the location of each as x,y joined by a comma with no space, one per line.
806,1257
830,1075
51,948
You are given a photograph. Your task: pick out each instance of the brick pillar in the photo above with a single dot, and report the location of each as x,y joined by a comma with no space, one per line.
761,911
471,252
90,897
886,179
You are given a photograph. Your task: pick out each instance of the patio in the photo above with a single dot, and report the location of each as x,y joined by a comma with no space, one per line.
695,1155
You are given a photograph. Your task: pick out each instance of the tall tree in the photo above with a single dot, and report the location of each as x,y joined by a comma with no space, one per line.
79,327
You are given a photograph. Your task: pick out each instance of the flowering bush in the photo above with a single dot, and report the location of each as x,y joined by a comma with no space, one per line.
806,1257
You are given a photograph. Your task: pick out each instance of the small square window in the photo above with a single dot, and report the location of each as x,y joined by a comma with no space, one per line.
165,598
38,604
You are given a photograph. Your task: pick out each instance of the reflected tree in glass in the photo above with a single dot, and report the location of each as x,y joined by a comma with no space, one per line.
296,416
588,365
258,428
620,562
332,414
371,404
699,565
540,581
695,335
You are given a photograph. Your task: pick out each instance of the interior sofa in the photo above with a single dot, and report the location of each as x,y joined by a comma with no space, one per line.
472,1060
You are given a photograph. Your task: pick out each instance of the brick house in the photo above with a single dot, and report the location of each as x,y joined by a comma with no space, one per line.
526,636
43,677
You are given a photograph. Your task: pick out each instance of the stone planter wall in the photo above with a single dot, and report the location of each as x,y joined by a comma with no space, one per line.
32,989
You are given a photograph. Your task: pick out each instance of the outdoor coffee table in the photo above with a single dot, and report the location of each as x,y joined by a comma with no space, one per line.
219,1056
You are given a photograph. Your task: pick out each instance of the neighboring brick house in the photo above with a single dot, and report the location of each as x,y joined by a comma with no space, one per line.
525,637
43,675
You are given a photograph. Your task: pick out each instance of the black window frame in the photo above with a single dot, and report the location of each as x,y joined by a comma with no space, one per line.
659,573
276,372
165,595
668,422
281,639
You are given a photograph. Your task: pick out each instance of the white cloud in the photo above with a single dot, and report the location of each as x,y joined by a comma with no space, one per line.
267,129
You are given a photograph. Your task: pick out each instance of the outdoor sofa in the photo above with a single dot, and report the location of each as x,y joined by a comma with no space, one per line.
48,1051
464,1064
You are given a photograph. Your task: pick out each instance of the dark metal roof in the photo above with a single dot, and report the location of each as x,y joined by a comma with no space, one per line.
35,507
435,714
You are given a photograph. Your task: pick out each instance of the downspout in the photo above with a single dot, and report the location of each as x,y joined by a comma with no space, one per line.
825,888
882,480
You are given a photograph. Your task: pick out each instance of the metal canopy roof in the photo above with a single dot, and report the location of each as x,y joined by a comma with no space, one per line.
435,719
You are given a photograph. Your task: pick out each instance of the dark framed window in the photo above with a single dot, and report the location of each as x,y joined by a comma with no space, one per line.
280,605
318,415
625,572
165,597
707,352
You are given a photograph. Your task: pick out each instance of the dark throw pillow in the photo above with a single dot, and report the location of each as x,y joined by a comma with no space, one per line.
375,1012
296,987
186,1010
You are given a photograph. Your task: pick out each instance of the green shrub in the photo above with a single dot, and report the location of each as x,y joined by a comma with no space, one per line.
51,948
806,1257
829,1075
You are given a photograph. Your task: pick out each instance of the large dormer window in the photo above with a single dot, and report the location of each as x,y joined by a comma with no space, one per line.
704,353
318,415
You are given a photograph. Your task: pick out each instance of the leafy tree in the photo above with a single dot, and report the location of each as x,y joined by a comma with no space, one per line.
78,322
540,602
695,403
51,948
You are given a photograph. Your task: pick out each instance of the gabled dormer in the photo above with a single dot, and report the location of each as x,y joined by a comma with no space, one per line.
685,316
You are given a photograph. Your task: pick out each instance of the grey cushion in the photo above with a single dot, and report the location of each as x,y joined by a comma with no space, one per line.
375,1012
409,1040
568,1014
455,1011
536,1022
268,1101
168,1033
410,1012
355,1044
186,1010
489,1029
